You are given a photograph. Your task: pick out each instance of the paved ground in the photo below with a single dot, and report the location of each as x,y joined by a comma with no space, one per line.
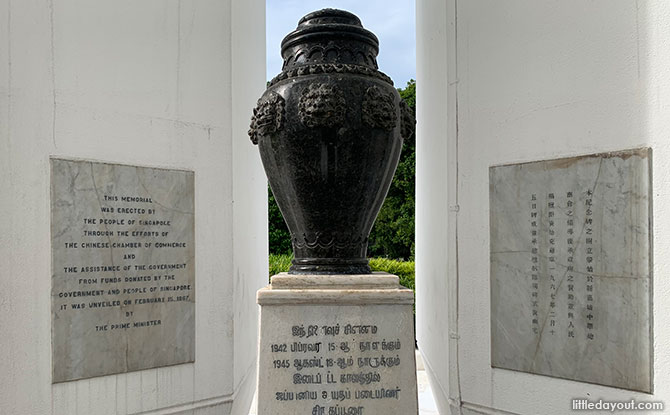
426,403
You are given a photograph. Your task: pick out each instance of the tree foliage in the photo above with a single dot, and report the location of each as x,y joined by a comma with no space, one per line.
279,237
393,233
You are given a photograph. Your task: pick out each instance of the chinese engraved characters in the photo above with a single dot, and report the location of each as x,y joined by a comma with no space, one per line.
571,268
554,268
535,270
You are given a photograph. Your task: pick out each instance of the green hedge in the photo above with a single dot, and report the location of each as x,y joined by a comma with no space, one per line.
279,263
403,269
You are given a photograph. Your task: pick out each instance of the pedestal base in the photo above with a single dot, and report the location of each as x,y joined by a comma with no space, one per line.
336,345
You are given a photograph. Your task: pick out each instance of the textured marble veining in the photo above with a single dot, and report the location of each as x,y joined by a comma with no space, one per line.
123,272
571,268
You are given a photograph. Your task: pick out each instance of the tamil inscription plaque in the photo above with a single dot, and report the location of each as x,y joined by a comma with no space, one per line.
332,360
123,273
571,268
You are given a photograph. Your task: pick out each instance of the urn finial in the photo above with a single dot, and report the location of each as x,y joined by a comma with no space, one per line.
330,36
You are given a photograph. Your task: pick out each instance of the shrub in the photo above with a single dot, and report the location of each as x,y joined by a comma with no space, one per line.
279,237
279,263
403,269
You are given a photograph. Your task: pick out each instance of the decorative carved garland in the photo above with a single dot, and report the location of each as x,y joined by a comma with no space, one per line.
329,68
329,241
362,56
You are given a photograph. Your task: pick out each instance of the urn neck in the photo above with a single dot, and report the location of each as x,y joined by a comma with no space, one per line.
330,36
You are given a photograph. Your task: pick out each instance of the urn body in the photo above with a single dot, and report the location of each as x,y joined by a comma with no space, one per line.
329,129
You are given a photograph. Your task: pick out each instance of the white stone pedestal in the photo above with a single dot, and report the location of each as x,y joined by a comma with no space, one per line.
336,345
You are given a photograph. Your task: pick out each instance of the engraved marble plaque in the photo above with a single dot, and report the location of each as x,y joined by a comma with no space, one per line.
123,273
571,268
328,359
336,344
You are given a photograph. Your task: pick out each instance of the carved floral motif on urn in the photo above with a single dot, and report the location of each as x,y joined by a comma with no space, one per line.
329,129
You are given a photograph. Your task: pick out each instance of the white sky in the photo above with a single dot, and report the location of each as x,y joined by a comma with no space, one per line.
391,20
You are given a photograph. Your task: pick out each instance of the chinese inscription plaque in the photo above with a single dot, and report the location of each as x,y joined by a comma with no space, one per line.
571,268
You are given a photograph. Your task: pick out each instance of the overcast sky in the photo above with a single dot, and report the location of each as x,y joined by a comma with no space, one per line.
391,20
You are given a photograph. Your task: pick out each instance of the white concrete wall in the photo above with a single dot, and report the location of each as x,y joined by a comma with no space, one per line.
436,298
167,83
526,81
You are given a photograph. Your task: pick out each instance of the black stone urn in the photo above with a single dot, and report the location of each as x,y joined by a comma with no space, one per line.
329,129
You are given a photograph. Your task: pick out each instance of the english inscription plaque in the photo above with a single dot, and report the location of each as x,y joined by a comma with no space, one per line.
571,268
123,273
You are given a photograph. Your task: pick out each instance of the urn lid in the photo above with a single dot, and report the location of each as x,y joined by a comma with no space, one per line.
330,36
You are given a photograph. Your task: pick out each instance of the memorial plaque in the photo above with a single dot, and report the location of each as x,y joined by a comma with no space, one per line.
571,268
123,273
332,359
